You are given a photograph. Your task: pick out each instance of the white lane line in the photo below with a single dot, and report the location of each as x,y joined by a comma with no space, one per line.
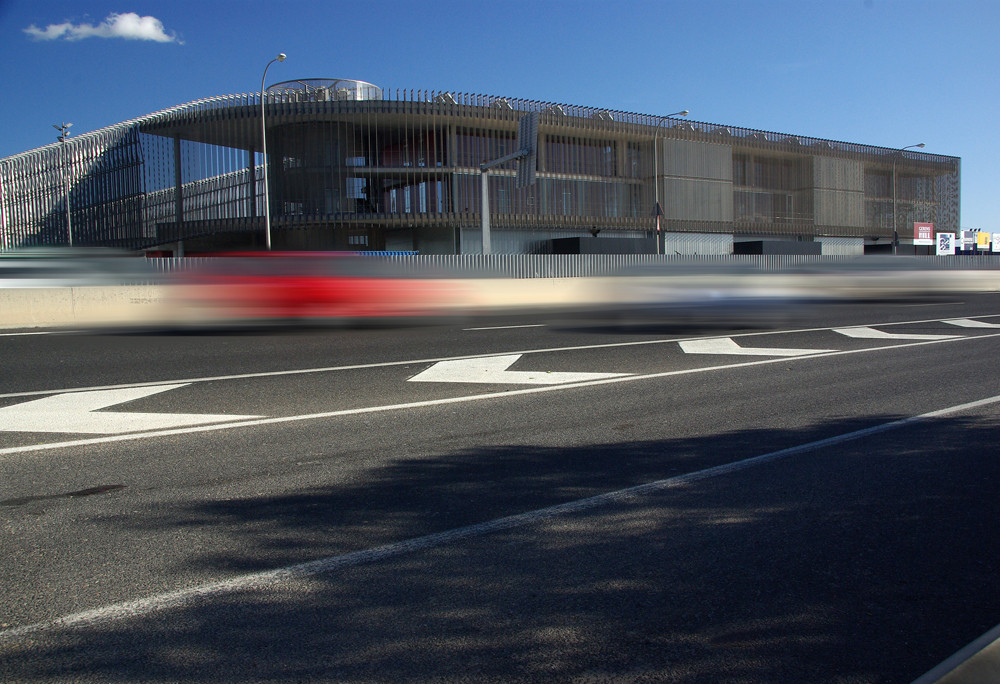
726,345
270,578
506,327
461,400
866,333
411,362
970,323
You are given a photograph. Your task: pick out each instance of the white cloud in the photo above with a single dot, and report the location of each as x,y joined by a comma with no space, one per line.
129,26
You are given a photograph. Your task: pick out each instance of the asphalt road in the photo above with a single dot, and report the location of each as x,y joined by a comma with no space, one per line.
440,503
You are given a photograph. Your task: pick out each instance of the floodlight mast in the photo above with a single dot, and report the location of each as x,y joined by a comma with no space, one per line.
527,156
63,129
657,208
263,149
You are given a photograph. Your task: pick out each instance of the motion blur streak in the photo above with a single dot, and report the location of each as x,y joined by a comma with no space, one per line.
47,288
700,292
289,286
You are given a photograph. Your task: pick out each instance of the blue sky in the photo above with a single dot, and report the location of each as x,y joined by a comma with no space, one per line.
890,73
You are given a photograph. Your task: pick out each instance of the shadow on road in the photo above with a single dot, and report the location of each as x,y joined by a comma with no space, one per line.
869,562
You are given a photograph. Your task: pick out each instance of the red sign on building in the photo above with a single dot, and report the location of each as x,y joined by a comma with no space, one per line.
923,233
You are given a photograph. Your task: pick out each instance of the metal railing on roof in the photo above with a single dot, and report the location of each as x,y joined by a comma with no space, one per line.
284,93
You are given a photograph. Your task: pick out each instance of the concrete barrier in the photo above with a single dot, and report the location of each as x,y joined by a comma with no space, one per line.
90,306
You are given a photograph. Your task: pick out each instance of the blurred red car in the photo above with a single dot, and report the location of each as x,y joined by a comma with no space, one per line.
283,286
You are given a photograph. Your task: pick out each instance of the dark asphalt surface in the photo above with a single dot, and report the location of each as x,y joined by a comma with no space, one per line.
869,560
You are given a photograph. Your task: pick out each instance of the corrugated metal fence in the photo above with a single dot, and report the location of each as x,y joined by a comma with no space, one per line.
582,265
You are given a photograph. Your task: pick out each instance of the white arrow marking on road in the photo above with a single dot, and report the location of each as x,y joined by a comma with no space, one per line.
873,334
493,369
726,345
969,323
74,412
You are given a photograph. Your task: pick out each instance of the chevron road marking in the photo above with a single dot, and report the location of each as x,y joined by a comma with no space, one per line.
726,345
408,361
493,369
969,323
873,334
506,394
76,412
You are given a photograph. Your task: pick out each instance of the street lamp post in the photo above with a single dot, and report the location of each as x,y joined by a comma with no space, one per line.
63,134
263,146
895,229
657,209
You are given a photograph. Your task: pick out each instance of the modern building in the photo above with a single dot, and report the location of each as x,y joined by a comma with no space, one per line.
353,167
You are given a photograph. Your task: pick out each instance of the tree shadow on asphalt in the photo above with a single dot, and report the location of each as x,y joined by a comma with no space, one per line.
846,567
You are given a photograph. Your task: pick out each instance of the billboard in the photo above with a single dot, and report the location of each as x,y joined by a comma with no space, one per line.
923,233
945,244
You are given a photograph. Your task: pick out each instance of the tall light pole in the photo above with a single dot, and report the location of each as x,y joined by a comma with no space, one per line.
63,129
263,146
657,209
895,230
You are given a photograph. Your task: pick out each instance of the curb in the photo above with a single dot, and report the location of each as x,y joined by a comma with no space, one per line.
976,663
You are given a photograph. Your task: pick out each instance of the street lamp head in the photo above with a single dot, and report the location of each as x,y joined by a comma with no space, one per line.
684,113
920,145
281,56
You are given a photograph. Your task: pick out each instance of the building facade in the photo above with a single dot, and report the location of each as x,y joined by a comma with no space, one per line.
352,167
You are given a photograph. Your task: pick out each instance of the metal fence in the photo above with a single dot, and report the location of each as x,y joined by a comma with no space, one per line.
585,265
